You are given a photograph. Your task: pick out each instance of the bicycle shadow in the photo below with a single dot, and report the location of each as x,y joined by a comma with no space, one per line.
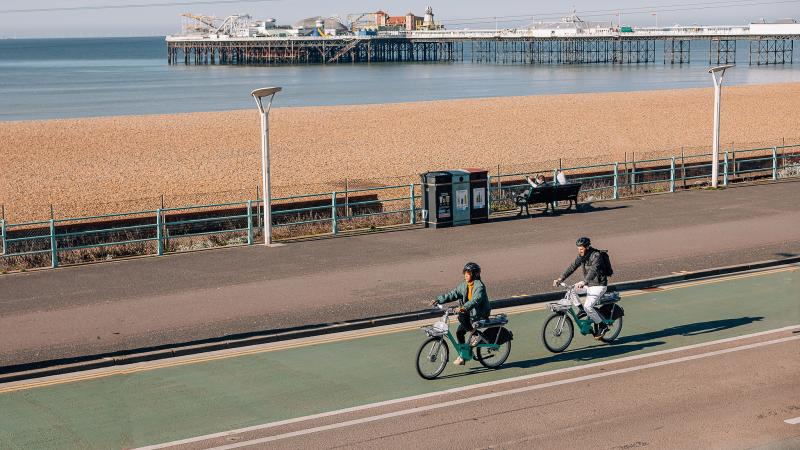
583,354
692,329
622,345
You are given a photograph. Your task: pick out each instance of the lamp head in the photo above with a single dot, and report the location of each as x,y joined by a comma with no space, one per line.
720,68
258,94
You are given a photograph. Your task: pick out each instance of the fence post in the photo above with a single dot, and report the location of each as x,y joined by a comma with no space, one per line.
159,237
725,170
555,183
499,181
3,235
672,174
334,222
489,193
53,245
616,180
774,163
249,222
412,205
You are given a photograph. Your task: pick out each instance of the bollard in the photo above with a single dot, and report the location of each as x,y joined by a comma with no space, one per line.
249,222
53,245
334,222
616,180
774,163
413,205
159,237
725,170
672,175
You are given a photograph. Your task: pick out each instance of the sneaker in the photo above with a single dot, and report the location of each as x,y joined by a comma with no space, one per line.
459,361
475,340
602,329
581,312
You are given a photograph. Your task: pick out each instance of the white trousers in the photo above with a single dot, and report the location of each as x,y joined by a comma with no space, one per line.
593,294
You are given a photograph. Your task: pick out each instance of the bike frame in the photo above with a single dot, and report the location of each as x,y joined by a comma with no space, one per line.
584,325
464,350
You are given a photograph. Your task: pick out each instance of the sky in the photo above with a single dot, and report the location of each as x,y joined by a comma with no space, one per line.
157,19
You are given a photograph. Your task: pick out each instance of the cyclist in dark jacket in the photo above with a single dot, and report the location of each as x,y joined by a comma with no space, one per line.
473,303
594,283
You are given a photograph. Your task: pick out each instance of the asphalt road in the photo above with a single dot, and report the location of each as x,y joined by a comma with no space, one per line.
704,364
147,302
735,400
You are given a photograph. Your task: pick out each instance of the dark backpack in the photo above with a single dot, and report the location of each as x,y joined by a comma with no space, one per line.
605,263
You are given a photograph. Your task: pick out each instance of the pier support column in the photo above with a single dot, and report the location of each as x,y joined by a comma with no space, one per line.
722,51
771,51
677,51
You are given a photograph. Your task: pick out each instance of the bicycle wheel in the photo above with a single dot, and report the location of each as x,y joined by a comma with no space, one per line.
432,357
613,331
557,332
492,359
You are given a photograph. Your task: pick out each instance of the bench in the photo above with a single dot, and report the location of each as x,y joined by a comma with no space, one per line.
549,194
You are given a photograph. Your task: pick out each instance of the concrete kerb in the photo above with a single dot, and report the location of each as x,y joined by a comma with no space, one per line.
79,364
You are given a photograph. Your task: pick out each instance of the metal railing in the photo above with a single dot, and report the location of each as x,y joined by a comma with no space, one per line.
167,230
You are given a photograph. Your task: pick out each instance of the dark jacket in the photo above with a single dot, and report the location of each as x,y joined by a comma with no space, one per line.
478,307
591,263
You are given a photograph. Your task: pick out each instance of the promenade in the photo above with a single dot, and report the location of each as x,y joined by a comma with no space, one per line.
142,303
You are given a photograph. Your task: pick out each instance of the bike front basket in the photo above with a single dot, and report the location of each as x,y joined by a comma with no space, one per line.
437,329
560,306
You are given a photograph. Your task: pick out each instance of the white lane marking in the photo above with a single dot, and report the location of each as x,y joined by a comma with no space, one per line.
795,421
492,395
461,389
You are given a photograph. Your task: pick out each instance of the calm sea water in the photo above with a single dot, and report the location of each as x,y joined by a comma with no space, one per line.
59,78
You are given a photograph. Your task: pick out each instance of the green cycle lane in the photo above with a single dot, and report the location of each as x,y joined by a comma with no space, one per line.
166,404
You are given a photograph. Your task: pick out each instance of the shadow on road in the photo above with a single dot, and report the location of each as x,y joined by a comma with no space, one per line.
583,354
623,345
539,212
691,329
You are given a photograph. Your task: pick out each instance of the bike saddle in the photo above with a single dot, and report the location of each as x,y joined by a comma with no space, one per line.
499,319
608,297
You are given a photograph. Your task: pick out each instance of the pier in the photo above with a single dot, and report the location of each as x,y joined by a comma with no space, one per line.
767,46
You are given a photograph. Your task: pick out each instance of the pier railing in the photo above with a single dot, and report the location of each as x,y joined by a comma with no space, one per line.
63,241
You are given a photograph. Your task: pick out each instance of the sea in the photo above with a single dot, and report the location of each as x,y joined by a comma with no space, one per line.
86,77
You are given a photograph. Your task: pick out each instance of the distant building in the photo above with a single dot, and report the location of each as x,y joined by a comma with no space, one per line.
778,27
320,26
380,20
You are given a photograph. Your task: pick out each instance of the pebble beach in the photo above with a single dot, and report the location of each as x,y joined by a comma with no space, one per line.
124,163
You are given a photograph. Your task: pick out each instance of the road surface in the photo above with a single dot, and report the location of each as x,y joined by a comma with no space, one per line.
706,364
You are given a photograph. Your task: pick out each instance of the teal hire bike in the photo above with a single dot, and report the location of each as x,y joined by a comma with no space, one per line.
558,329
492,348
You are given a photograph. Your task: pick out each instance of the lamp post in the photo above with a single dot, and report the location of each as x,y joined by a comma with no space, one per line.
717,90
259,95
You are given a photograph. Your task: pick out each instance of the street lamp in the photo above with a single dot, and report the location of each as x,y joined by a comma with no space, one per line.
717,89
258,95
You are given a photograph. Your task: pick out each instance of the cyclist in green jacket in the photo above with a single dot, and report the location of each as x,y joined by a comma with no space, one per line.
473,303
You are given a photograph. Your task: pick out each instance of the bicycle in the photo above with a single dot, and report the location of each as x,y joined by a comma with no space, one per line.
491,351
558,330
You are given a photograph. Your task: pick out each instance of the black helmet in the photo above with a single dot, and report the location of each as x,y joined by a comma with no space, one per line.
473,269
583,242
